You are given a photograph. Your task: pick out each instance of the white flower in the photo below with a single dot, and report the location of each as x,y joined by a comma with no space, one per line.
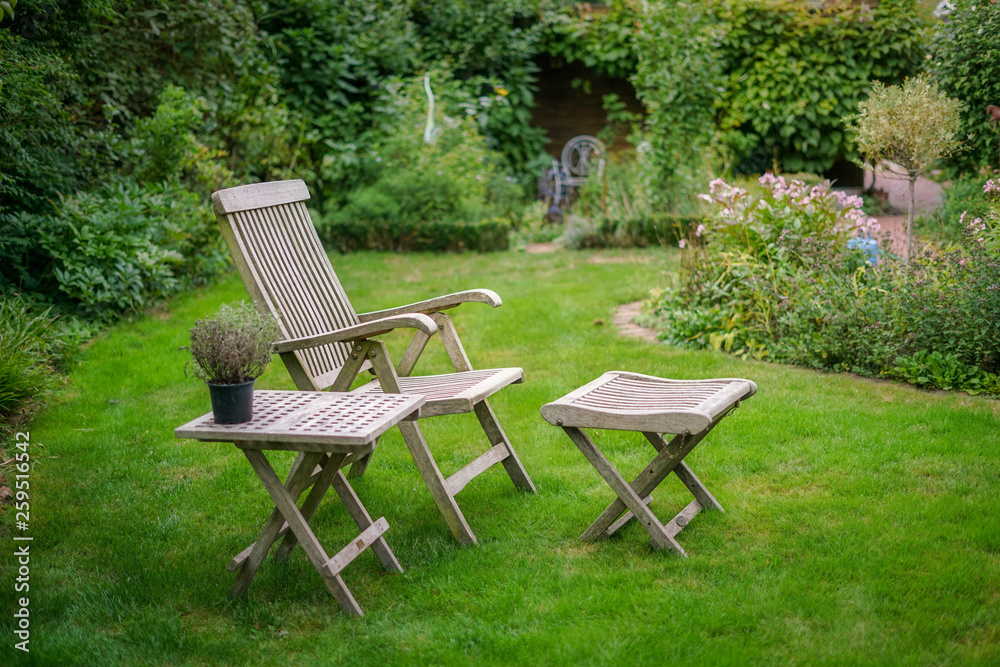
682,244
699,231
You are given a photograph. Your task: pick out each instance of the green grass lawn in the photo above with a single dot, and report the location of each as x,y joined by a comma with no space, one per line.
861,521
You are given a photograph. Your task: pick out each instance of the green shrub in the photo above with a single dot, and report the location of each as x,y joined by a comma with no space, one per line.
794,75
746,83
963,195
678,79
31,344
803,296
454,178
640,231
964,61
905,129
413,236
937,370
115,250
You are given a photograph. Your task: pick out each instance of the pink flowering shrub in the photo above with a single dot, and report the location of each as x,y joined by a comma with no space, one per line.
985,231
786,210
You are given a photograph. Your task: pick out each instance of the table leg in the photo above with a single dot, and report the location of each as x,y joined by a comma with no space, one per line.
364,521
298,479
298,525
330,468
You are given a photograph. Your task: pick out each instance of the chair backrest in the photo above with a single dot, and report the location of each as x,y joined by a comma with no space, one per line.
286,271
582,156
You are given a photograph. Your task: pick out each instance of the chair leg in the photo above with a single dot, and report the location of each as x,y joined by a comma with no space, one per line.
435,483
512,464
487,418
419,450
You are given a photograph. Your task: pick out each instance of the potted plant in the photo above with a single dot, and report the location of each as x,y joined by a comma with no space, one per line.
230,351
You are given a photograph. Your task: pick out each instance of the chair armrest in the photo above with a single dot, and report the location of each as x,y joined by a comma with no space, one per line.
439,303
360,332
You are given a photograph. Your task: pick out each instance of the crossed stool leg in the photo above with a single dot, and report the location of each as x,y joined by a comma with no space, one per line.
633,402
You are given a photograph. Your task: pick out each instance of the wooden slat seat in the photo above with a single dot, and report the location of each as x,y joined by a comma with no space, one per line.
634,402
326,342
455,393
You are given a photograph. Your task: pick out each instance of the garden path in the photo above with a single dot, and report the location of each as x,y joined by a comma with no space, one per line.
624,321
927,197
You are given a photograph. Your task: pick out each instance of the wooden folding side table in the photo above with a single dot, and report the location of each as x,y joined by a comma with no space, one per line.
633,402
329,430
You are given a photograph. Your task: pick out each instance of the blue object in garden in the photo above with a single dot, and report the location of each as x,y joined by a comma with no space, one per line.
868,246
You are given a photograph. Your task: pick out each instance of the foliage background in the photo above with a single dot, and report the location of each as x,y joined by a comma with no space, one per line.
119,117
965,60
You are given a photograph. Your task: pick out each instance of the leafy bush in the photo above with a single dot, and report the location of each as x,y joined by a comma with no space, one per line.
794,75
115,250
962,195
678,79
906,129
491,46
745,82
601,40
787,212
635,232
744,262
455,178
31,344
43,153
964,61
936,370
233,347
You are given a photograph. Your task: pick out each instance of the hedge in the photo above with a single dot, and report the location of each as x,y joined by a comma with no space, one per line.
640,231
436,236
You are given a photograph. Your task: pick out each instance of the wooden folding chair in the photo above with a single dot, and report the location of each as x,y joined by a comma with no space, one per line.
327,343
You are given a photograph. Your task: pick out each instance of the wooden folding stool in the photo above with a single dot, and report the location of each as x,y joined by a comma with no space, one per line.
633,402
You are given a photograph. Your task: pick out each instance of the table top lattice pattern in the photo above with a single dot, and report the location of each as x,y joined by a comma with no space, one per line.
318,417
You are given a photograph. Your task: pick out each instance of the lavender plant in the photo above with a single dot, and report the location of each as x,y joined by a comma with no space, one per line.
233,347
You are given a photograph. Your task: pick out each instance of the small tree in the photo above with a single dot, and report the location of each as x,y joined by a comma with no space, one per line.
905,129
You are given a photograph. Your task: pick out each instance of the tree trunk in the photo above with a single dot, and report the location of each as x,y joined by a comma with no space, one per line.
909,216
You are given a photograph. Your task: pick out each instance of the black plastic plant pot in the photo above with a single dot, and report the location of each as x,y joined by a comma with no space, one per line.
232,403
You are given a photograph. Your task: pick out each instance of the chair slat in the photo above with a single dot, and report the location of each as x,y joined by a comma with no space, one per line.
294,273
